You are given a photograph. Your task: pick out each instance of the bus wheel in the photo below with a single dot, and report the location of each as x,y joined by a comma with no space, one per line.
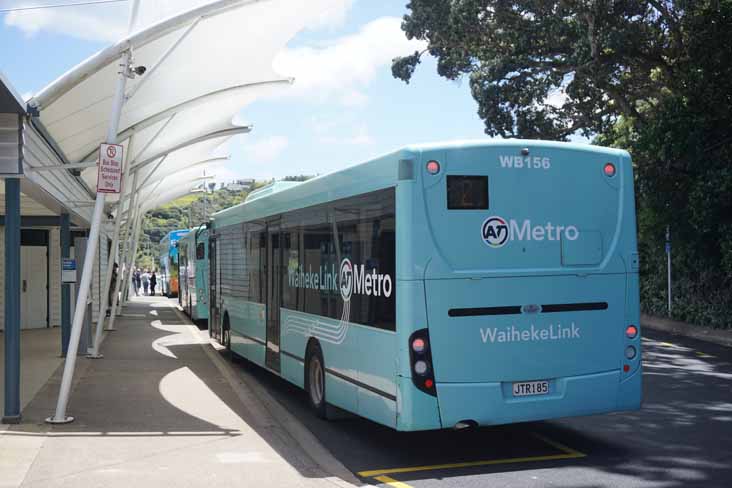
315,380
226,334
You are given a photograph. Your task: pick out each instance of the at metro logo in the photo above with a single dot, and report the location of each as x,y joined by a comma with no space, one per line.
497,231
494,231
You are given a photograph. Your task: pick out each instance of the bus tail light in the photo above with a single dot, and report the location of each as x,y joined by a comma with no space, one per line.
420,359
609,170
418,345
433,167
632,345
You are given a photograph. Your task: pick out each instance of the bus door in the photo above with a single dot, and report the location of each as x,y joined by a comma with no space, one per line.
214,322
274,294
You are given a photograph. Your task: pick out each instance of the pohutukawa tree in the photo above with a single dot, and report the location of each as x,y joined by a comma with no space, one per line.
650,76
591,60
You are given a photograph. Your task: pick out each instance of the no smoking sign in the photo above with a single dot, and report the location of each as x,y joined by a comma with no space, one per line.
109,176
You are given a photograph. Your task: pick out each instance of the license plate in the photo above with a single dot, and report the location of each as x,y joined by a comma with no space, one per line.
528,388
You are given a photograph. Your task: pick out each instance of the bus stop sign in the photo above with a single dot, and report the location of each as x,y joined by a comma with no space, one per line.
109,177
68,271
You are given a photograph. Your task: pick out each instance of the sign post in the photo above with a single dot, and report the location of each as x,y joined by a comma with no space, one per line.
60,417
668,265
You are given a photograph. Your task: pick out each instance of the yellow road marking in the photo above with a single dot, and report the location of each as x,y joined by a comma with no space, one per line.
391,482
567,453
471,464
667,344
561,447
703,355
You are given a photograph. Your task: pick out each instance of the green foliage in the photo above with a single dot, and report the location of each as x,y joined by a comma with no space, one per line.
188,211
653,77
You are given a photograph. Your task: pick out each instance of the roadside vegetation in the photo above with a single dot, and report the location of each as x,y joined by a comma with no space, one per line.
190,211
652,77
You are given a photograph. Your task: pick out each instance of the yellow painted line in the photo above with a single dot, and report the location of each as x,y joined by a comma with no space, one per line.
704,355
392,482
567,453
667,344
471,464
561,447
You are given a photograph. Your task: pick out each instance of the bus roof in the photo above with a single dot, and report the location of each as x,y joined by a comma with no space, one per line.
174,235
194,232
475,143
372,175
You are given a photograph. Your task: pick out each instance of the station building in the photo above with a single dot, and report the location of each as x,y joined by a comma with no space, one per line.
55,207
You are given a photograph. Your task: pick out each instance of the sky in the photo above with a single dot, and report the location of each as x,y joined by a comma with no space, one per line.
344,107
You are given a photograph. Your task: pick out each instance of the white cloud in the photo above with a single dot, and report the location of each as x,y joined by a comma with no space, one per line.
344,67
92,23
340,131
109,22
360,137
333,13
354,99
265,150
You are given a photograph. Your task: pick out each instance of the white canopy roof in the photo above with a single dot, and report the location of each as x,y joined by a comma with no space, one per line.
203,66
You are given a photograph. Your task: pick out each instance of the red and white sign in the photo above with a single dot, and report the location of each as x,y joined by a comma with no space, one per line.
109,177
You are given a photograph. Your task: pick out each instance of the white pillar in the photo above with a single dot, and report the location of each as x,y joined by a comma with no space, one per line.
133,248
95,354
60,416
115,297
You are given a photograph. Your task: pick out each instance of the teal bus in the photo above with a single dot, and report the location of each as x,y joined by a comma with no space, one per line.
168,260
193,273
443,285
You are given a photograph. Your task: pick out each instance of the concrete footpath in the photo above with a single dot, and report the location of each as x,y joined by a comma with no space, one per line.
162,409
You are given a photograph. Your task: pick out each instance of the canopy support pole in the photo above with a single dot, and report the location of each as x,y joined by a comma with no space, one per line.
60,416
135,243
111,261
118,281
124,264
129,240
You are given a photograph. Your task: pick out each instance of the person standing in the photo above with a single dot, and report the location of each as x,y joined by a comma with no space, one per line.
145,277
136,282
153,282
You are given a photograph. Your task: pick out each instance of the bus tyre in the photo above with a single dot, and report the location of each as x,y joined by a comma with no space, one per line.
315,380
226,334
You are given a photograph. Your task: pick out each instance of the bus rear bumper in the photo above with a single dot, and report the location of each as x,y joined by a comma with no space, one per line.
494,403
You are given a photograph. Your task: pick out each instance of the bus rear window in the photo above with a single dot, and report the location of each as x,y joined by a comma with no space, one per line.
467,192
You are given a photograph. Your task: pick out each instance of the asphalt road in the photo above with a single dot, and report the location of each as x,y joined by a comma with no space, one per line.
681,438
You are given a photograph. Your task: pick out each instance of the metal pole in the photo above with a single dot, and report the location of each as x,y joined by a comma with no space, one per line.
60,416
124,253
115,297
129,235
11,412
95,354
65,288
136,238
668,266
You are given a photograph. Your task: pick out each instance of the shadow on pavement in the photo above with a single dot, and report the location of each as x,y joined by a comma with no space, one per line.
155,392
681,437
157,382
